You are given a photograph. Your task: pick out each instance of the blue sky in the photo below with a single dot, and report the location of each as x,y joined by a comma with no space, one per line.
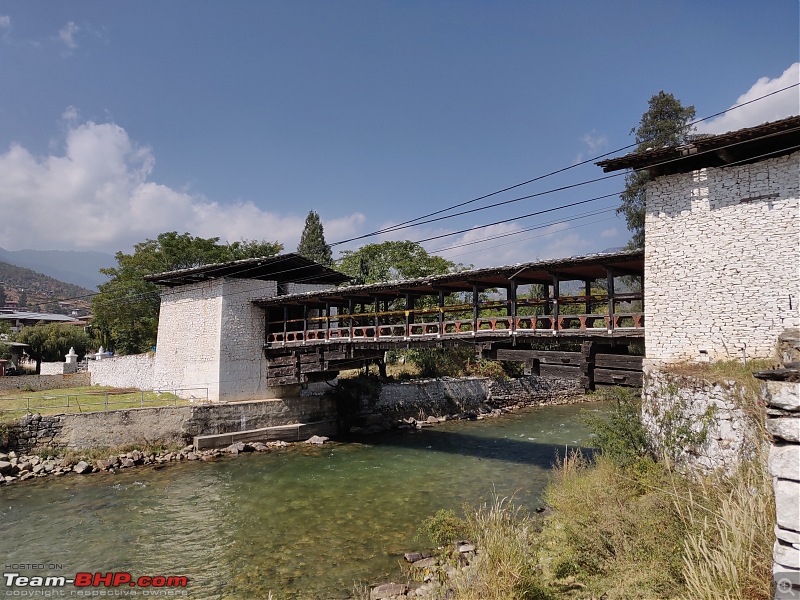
119,120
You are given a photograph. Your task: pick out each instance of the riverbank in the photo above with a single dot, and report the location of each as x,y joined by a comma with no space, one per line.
649,531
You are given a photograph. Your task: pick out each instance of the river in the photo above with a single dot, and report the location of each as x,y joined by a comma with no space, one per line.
303,522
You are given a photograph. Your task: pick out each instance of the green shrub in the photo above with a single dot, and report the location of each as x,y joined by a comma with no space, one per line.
444,528
620,436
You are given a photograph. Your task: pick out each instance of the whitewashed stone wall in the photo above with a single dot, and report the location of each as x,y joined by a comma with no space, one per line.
134,371
699,424
721,265
57,368
187,350
211,335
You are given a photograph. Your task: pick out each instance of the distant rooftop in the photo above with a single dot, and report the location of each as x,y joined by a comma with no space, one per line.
282,268
36,316
744,145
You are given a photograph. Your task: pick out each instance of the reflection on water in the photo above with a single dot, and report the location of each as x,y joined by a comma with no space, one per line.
304,522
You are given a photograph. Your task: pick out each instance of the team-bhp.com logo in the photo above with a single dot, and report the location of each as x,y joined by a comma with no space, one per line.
95,580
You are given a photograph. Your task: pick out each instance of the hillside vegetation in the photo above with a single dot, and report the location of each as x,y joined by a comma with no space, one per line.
41,292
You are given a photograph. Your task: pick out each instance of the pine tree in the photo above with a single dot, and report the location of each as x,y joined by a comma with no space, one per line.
312,242
666,123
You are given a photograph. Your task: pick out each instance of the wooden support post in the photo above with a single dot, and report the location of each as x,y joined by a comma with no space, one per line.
610,287
377,318
327,320
475,309
588,350
556,301
588,293
351,307
409,314
511,308
305,322
285,321
546,293
441,313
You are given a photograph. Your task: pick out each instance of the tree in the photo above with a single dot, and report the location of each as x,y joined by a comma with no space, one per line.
23,298
126,308
312,241
2,296
666,123
51,342
392,260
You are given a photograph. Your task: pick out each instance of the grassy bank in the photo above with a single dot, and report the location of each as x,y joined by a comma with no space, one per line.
16,403
624,526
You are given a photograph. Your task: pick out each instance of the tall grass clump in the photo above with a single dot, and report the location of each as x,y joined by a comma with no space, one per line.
727,549
507,566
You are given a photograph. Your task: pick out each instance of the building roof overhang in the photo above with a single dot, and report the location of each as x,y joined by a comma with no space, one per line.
735,147
282,268
579,268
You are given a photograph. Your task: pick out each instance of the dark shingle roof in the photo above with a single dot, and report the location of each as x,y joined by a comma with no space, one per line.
744,145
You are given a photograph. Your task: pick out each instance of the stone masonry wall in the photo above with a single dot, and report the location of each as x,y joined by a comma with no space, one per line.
57,368
36,383
440,397
134,371
721,260
697,423
170,424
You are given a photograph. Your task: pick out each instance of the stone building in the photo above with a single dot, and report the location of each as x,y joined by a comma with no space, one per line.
211,335
722,243
722,254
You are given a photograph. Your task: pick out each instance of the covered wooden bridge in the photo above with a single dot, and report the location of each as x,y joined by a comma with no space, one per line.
579,308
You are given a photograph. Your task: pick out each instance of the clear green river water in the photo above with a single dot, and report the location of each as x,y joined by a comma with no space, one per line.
303,523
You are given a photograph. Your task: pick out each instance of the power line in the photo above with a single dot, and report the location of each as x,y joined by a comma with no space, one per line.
551,173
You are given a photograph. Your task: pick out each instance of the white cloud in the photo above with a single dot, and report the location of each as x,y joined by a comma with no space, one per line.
5,21
98,195
67,35
609,233
779,106
595,143
70,114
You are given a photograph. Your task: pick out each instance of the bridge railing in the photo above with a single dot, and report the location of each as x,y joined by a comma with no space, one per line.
492,326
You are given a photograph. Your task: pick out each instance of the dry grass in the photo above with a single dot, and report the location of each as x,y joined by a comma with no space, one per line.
507,566
728,546
726,372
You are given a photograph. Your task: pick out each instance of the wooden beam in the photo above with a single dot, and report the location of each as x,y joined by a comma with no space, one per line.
610,290
556,300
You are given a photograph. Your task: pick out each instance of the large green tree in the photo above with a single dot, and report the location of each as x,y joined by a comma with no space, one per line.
666,123
51,342
312,241
392,260
126,308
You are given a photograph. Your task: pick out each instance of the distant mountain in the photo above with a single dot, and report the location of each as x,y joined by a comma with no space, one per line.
42,293
79,268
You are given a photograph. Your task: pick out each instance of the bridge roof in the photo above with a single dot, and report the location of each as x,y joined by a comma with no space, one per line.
283,267
743,145
580,268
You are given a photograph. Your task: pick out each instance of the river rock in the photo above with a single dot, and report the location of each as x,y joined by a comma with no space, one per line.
5,466
387,590
82,468
432,419
3,456
413,557
318,439
425,563
192,456
464,548
126,463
